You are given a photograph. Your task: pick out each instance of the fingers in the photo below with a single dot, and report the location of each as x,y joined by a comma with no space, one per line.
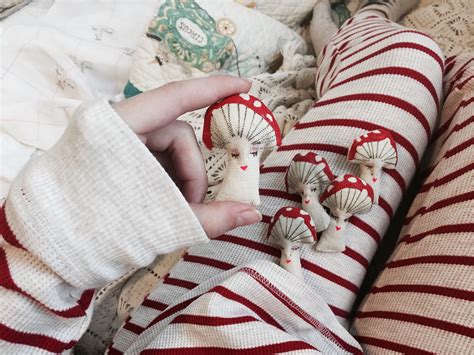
158,107
181,146
218,218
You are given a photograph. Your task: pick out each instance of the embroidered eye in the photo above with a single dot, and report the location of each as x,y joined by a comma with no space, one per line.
295,247
235,153
254,153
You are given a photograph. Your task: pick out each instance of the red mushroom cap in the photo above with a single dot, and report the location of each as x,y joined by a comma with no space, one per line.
316,171
304,232
252,107
371,146
347,191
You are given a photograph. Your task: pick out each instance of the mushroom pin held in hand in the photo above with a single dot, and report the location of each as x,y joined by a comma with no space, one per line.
374,151
345,196
245,127
309,175
289,229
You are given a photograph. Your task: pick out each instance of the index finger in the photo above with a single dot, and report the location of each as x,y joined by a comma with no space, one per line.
160,106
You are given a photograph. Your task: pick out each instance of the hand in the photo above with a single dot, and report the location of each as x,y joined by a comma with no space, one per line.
152,116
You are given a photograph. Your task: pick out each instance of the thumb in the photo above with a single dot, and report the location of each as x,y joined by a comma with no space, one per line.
217,218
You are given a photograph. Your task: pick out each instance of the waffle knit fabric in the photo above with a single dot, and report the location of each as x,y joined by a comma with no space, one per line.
372,74
423,301
76,218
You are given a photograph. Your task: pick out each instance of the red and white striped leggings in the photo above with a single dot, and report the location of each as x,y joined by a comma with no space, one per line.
372,74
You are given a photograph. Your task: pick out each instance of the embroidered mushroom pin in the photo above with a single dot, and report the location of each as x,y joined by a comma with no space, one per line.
345,196
245,127
290,228
374,151
309,175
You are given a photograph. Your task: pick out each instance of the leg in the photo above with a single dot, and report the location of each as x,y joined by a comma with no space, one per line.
373,73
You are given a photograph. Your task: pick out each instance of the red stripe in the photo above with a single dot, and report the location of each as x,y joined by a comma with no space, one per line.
280,194
428,289
351,253
132,327
446,179
441,204
39,341
386,99
459,127
279,295
259,350
451,228
425,321
172,310
458,149
329,276
276,252
461,68
398,45
357,222
6,281
433,259
406,72
6,231
345,46
207,261
160,306
212,321
448,154
441,130
378,41
249,244
113,351
273,169
304,263
314,146
462,84
260,312
339,312
180,283
395,175
390,345
360,30
368,126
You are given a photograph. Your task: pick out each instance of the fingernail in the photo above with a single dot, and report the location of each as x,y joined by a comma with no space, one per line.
249,216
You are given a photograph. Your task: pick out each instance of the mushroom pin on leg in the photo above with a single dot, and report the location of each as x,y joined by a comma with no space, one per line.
245,127
309,175
374,151
345,196
290,228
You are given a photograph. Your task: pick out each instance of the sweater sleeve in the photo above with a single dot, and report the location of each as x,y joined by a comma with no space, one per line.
77,217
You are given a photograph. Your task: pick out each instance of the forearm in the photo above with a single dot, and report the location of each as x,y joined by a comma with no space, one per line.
81,215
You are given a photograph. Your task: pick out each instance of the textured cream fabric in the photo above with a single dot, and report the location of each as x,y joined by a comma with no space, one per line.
449,22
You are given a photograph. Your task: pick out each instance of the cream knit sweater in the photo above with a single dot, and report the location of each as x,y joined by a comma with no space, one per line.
80,216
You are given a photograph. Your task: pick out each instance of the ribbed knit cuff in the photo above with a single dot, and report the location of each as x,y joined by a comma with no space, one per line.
98,203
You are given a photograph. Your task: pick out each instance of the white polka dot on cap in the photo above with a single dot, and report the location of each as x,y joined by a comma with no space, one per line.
352,179
289,208
318,158
245,97
269,117
257,103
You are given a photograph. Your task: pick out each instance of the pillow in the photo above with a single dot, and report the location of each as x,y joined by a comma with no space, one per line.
423,300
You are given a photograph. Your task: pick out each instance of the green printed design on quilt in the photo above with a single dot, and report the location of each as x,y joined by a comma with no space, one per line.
130,90
192,35
340,13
